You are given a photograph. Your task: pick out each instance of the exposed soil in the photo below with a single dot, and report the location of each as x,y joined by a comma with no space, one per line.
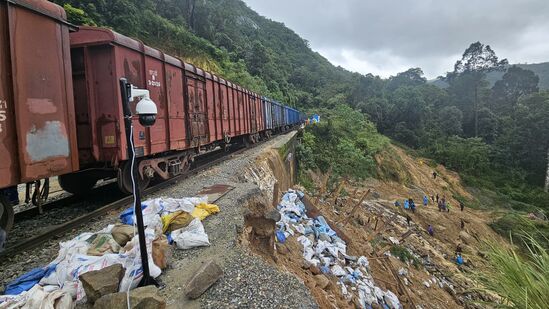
368,231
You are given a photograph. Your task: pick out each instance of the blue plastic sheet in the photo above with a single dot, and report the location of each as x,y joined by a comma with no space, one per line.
26,281
280,236
127,215
321,226
325,269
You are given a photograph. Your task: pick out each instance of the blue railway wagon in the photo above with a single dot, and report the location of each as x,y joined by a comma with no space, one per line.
278,115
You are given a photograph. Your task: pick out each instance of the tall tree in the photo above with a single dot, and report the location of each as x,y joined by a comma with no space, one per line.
516,82
477,60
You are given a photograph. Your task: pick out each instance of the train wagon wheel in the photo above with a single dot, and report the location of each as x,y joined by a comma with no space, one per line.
77,183
6,214
124,179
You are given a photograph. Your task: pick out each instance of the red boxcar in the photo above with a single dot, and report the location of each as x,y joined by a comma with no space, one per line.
197,110
37,128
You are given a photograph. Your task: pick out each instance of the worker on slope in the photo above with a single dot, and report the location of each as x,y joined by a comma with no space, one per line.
397,203
461,205
406,204
458,249
425,200
434,174
408,219
430,230
412,205
459,259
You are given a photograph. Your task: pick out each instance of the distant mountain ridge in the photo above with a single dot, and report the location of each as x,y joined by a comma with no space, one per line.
540,69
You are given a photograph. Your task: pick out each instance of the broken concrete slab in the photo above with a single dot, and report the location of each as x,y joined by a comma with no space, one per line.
205,277
101,282
143,297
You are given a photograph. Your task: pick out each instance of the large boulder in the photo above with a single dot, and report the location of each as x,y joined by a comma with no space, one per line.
205,277
101,282
143,297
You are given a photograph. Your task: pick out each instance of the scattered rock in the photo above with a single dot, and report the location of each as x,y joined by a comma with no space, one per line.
143,297
282,249
315,270
101,282
112,301
273,214
205,277
147,297
322,281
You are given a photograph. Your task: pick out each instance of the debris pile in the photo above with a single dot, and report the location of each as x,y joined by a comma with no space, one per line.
92,266
324,250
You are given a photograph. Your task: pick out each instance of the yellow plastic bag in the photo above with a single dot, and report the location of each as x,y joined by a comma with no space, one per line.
175,221
202,210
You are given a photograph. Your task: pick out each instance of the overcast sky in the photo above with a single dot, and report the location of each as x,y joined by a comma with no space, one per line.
385,37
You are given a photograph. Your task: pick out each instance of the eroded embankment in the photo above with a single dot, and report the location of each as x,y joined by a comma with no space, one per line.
404,258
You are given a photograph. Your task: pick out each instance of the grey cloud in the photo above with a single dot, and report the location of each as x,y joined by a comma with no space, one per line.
431,34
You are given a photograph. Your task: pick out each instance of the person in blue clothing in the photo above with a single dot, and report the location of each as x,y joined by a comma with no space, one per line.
397,203
425,200
412,205
406,204
459,259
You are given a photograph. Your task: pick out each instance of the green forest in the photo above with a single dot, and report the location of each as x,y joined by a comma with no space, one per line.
494,132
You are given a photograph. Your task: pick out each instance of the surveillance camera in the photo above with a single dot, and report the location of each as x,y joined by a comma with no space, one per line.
146,110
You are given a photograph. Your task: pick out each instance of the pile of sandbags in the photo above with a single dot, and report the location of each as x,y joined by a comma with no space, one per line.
323,249
167,221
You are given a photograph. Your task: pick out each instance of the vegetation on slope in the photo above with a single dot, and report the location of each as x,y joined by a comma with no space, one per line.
521,280
344,143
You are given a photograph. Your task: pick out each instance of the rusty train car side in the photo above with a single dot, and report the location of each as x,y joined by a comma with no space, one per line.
37,128
197,111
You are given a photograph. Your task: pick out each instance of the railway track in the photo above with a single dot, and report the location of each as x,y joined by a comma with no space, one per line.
201,163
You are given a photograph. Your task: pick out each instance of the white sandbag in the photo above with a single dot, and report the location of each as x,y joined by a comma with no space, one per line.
169,205
363,261
39,298
391,300
132,261
338,270
193,235
304,241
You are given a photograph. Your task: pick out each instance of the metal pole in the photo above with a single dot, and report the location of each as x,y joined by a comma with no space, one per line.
125,89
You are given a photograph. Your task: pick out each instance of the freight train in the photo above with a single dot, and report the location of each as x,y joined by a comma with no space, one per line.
61,110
